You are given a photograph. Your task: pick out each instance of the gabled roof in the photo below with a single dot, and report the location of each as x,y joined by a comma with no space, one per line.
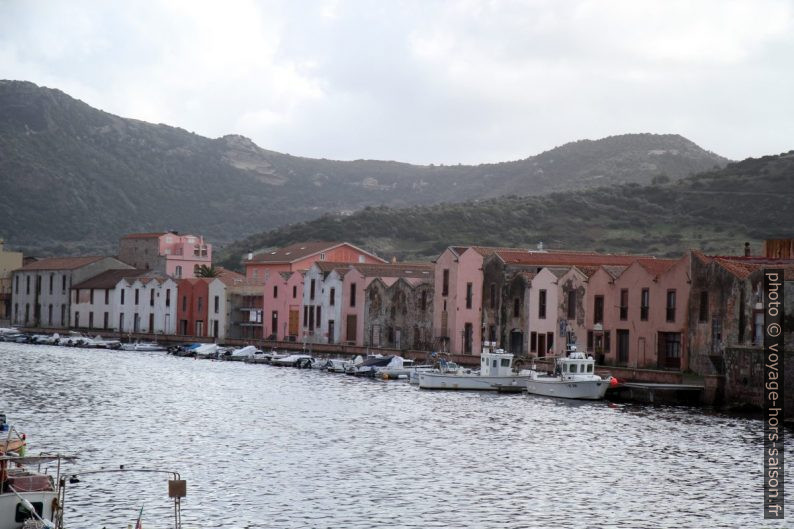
229,277
153,235
544,258
61,263
418,270
302,250
741,266
108,279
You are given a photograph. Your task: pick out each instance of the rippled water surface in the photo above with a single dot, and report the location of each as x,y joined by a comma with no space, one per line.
262,446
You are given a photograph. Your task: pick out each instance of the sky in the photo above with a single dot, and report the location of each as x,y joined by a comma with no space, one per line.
421,81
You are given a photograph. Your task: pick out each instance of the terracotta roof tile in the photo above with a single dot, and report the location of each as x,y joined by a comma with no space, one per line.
61,263
108,278
567,258
421,270
154,235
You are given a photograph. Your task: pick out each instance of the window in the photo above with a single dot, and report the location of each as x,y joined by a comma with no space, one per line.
107,296
468,295
624,304
516,307
16,287
704,306
573,368
671,305
542,304
294,291
91,320
91,296
178,272
607,341
423,302
27,285
52,280
77,319
151,298
319,316
492,295
305,315
184,303
598,310
533,342
63,282
322,256
445,283
196,269
275,291
550,341
217,304
122,296
332,297
468,335
311,290
571,304
589,340
200,303
645,302
137,296
352,294
168,297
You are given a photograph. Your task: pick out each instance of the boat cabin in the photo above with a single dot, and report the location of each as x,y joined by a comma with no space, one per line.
576,363
497,363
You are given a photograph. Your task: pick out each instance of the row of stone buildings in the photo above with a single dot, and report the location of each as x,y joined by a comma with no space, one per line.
634,311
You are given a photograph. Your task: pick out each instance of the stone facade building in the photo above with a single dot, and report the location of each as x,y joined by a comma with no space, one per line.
179,256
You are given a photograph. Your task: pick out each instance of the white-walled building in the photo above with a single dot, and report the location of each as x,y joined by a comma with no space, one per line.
146,303
322,302
108,302
41,289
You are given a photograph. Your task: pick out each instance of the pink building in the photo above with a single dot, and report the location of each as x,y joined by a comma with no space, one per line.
637,315
282,271
179,256
300,256
283,295
457,303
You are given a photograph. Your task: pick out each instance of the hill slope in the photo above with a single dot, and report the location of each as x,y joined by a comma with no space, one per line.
715,211
74,178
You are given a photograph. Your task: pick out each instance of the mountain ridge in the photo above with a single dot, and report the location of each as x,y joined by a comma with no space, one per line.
99,176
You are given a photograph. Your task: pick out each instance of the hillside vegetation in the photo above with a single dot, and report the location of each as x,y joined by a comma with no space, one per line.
716,211
74,178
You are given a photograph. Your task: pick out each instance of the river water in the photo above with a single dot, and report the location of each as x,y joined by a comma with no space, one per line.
262,446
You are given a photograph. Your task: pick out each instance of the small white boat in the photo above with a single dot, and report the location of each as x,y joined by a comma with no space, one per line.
249,351
206,350
144,346
573,378
496,374
294,360
98,341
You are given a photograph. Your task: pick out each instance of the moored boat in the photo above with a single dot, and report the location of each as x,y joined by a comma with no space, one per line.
573,378
496,372
149,347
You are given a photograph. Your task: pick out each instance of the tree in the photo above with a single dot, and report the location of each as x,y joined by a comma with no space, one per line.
208,271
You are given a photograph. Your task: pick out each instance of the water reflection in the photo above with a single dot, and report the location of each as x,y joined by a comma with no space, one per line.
278,447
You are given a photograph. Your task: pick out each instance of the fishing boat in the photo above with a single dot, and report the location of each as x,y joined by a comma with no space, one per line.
293,360
573,378
31,498
496,372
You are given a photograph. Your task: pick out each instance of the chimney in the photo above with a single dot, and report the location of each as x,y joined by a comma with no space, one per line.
540,246
747,249
250,255
394,260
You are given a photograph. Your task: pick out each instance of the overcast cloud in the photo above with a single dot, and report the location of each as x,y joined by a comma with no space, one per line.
422,81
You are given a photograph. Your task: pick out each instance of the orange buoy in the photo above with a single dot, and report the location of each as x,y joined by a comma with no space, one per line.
613,382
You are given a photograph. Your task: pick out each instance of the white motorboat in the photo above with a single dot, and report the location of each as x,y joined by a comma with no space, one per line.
496,374
294,360
573,378
206,350
148,347
249,351
98,341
